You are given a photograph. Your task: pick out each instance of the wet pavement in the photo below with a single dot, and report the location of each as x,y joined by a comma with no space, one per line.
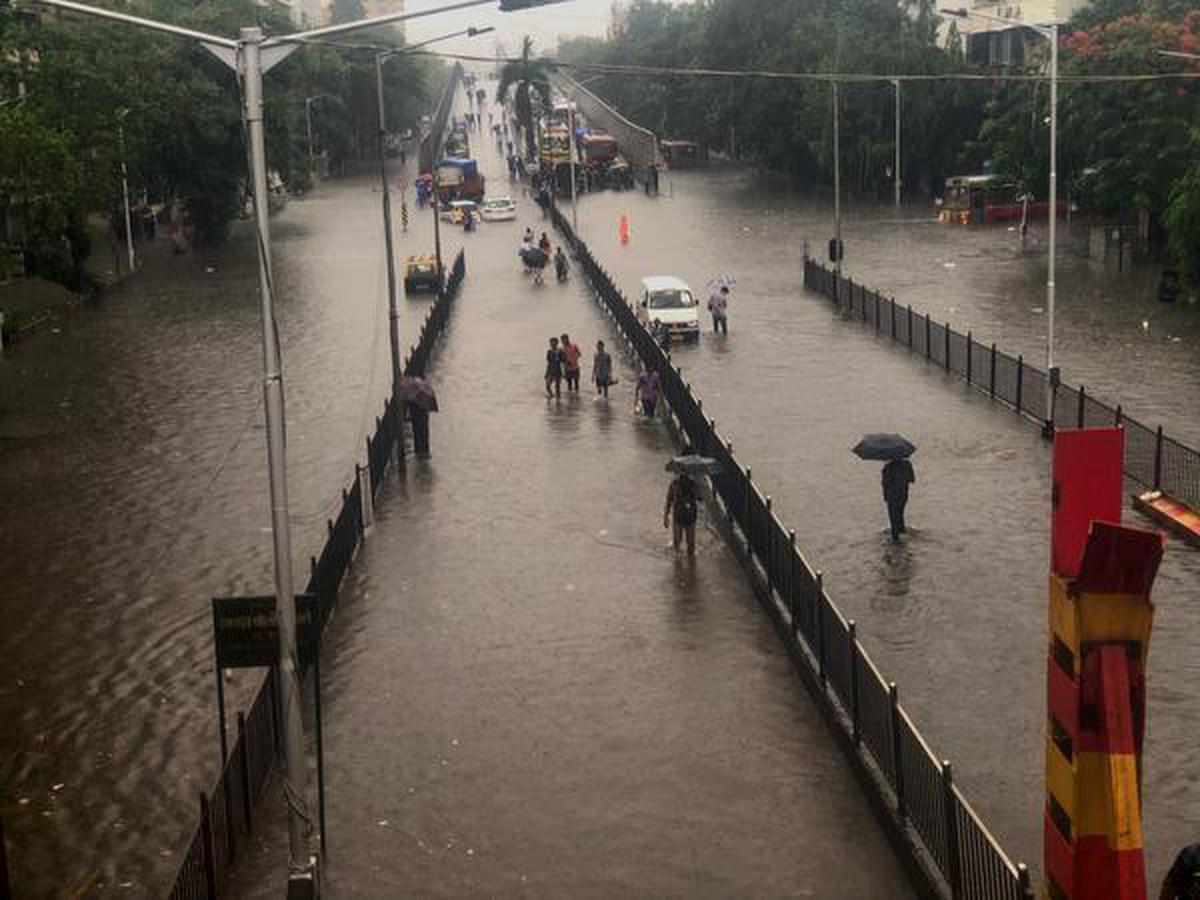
132,467
957,614
528,692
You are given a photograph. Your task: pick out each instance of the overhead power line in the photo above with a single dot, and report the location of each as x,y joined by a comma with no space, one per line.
825,77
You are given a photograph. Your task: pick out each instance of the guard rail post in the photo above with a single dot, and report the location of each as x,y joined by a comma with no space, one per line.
820,620
1024,882
793,559
950,819
1020,379
897,750
1158,445
244,759
1117,419
928,338
992,375
769,562
1079,416
856,730
206,837
746,527
946,335
970,341
910,326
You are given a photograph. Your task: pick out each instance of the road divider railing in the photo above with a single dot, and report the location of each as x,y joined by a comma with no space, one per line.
227,811
1151,458
943,842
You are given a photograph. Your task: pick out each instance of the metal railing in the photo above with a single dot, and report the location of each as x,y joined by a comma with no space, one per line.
947,842
1151,458
639,145
227,811
431,143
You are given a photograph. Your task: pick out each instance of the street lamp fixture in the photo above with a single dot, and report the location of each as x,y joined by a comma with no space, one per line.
121,114
251,55
1050,33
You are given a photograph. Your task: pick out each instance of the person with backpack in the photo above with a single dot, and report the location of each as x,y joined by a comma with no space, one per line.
683,500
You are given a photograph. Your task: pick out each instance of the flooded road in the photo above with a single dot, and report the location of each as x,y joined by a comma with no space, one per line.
133,477
528,693
133,482
957,616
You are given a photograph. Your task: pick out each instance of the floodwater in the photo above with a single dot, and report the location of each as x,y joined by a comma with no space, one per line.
132,471
528,693
957,614
133,484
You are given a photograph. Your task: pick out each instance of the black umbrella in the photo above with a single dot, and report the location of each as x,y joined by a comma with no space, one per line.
417,392
534,257
884,447
694,464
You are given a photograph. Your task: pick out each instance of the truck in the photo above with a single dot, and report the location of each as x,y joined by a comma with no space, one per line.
458,179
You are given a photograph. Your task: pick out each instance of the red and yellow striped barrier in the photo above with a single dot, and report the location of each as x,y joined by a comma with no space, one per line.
1099,635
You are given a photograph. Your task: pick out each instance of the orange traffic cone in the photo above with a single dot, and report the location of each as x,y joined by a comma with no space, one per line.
623,229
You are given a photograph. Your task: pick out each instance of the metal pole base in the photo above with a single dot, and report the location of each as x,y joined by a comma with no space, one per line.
305,885
1048,430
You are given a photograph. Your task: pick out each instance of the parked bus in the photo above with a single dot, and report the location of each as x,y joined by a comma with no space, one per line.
987,199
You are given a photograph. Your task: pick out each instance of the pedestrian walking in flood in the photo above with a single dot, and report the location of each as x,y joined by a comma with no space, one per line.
897,476
683,497
718,307
602,370
554,369
645,391
570,354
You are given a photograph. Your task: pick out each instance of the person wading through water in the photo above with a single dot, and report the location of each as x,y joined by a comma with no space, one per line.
897,476
683,498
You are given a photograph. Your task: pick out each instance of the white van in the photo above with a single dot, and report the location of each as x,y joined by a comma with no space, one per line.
669,301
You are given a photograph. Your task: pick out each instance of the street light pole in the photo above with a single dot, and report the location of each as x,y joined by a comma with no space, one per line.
837,194
1051,371
393,309
125,190
898,179
574,189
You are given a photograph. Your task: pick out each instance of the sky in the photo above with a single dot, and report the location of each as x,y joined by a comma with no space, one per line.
546,25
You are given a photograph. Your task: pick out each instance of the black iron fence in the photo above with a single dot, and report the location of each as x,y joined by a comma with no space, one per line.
227,811
1151,458
948,843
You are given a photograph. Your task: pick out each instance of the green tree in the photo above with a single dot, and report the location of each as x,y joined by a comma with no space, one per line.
528,79
1183,222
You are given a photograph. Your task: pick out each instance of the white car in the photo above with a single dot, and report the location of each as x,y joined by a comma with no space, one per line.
499,209
668,303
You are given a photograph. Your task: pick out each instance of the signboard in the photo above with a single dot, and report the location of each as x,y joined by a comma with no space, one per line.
246,635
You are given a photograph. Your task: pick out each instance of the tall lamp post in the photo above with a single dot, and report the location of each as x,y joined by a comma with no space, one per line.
1050,33
393,289
121,114
251,55
899,182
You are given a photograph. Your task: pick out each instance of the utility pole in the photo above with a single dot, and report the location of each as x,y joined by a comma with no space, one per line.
1051,371
574,188
393,309
837,193
896,82
125,190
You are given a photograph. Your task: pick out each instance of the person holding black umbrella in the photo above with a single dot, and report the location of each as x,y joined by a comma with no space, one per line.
898,473
897,476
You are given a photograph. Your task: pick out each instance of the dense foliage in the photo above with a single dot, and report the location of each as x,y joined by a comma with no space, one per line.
1124,148
85,80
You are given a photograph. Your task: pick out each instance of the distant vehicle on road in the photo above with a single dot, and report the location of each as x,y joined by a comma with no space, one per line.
420,272
668,305
499,209
681,154
987,199
458,210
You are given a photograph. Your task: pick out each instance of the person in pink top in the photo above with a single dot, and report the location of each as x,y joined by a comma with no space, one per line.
571,354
